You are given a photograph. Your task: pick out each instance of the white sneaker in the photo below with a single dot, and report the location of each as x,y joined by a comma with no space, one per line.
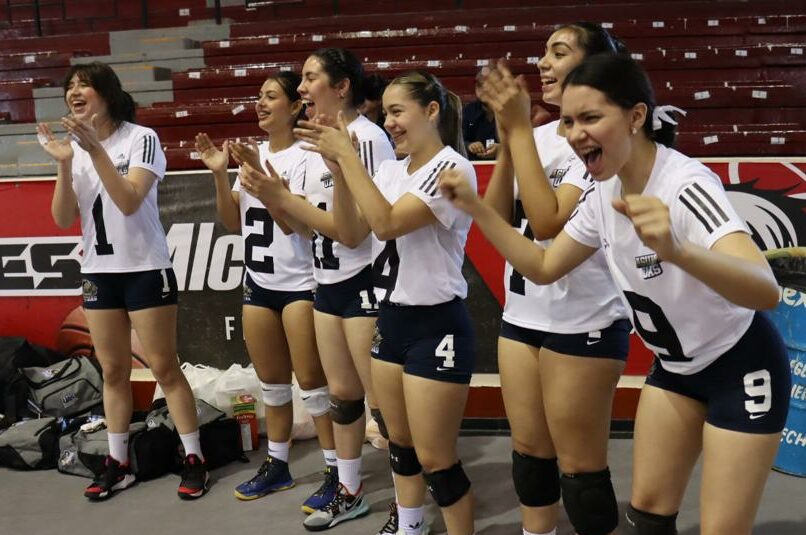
344,506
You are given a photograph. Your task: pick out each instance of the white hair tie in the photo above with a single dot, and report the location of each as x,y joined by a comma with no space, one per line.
661,115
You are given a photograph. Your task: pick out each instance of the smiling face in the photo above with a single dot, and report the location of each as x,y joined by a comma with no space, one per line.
83,100
563,53
599,131
317,91
274,108
410,124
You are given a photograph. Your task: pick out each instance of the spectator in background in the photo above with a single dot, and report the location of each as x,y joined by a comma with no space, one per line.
372,108
478,129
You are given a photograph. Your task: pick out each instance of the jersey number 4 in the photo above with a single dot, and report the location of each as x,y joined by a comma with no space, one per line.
259,239
384,269
445,351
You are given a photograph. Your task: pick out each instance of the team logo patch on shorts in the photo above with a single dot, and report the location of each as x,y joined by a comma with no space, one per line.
376,341
649,264
247,293
89,290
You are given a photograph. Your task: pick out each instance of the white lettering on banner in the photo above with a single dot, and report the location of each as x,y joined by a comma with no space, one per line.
179,238
798,368
799,392
226,265
48,265
229,328
199,268
792,297
792,437
226,248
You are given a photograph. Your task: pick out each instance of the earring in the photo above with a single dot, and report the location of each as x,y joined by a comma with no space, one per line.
634,130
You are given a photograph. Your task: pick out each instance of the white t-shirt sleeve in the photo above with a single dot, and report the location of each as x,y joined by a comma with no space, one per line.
702,214
374,150
577,175
583,226
428,191
147,153
296,178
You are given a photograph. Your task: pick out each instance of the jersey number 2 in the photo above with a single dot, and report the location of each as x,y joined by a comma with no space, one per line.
257,239
103,247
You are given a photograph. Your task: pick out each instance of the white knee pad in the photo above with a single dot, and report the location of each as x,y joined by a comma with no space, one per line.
316,401
276,395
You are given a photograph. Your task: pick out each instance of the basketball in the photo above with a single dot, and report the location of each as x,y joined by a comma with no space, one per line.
74,339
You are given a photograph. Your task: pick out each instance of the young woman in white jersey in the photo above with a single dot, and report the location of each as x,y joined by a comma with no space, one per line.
424,353
570,336
692,279
278,291
345,308
108,176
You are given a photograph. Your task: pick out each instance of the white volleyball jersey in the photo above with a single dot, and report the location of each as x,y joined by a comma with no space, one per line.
332,261
584,300
686,323
114,242
423,267
274,260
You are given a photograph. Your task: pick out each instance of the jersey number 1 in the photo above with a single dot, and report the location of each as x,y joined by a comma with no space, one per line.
103,247
328,260
517,284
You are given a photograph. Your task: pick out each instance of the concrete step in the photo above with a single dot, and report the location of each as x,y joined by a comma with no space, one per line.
141,73
176,59
129,41
49,101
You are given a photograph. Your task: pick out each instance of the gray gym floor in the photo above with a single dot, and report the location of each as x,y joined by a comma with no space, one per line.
34,503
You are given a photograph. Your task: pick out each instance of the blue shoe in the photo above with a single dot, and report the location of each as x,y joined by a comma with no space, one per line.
324,494
272,476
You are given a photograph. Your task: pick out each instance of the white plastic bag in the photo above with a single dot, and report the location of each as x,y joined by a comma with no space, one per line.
218,387
202,380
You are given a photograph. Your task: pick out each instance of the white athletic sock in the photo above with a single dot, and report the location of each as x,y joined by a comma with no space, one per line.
552,532
279,450
191,443
330,457
410,519
350,474
119,447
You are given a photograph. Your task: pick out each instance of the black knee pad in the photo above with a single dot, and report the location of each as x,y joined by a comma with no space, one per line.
590,502
376,414
642,523
537,481
404,460
346,411
447,486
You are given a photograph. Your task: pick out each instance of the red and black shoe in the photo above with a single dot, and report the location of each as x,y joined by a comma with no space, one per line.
114,477
195,479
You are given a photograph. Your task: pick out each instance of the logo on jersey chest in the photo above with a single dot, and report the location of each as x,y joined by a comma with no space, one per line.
557,175
649,264
122,165
327,180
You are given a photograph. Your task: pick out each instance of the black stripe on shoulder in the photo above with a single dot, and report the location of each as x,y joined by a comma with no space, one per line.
429,185
587,192
711,201
692,197
696,213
